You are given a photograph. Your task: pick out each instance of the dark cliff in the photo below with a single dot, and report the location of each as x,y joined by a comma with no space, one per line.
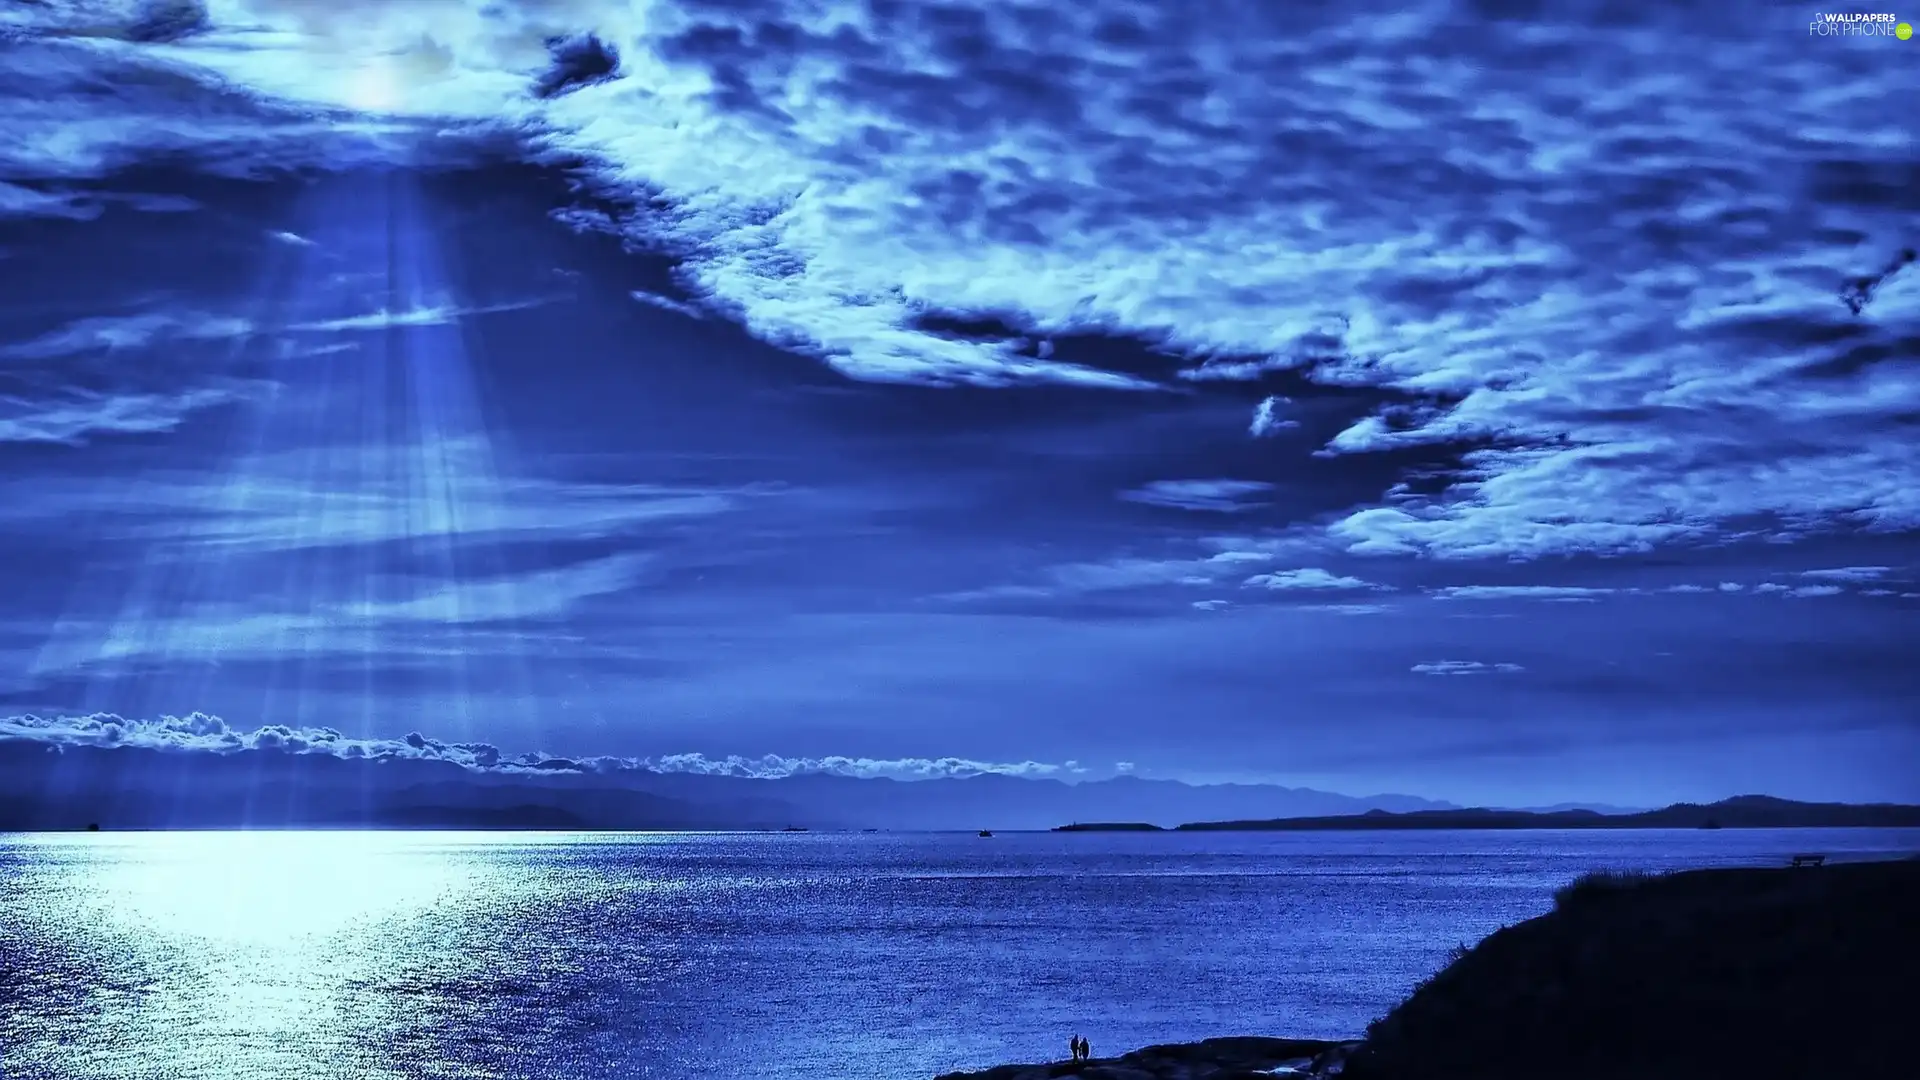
1750,973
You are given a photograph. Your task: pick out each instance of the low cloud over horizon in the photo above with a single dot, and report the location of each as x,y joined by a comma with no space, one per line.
200,733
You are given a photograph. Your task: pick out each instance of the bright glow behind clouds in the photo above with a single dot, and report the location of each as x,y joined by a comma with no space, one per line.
1243,182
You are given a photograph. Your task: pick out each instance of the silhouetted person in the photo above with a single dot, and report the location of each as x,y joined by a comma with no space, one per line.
1073,1046
1086,1052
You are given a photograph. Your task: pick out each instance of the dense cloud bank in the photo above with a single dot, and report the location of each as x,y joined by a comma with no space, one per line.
1652,268
211,734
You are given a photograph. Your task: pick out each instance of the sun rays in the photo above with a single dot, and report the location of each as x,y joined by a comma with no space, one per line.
361,541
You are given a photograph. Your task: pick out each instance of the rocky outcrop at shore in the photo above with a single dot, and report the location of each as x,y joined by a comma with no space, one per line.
1241,1058
1750,973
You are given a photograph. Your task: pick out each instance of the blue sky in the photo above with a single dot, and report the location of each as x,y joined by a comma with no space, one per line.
1432,398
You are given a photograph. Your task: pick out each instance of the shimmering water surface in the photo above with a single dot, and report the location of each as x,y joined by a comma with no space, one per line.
301,955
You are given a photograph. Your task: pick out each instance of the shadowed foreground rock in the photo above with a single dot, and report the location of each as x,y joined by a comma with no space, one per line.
1751,973
1244,1058
1755,974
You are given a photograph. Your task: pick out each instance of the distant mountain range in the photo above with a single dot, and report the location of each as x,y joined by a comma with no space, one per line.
48,787
1740,812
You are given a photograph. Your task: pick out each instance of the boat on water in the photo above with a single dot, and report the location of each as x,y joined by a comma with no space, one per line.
794,828
986,832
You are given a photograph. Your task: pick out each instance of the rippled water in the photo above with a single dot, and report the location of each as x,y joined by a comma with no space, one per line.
297,955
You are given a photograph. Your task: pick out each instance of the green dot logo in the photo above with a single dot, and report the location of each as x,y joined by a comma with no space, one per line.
1903,31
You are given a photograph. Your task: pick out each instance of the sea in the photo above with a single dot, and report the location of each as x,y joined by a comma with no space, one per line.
824,956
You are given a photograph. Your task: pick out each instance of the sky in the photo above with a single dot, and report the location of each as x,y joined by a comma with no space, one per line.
1504,402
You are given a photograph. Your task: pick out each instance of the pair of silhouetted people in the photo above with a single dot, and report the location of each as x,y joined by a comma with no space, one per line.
1081,1051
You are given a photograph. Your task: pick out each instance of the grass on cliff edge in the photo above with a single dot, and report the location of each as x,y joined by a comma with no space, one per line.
1749,973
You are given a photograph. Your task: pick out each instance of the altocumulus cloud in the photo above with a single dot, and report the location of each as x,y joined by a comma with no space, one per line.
1464,667
201,733
1561,593
1308,578
830,171
1850,573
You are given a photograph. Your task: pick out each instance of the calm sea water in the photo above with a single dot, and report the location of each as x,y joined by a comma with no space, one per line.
745,957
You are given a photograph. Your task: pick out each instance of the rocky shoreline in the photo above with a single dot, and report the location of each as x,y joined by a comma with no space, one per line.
1249,1057
1667,977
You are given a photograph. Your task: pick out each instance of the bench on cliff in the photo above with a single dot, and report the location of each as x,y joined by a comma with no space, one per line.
1808,860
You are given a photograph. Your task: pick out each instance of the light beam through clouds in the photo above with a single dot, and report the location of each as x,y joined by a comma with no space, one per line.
364,492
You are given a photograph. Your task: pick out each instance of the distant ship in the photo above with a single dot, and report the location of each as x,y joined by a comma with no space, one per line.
986,832
794,828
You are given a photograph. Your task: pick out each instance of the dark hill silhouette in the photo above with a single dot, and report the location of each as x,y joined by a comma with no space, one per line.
1749,973
1739,812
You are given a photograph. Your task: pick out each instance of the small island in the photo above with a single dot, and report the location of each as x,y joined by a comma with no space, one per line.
1757,973
1109,826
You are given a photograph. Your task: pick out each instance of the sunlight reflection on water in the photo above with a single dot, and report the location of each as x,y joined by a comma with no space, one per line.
250,955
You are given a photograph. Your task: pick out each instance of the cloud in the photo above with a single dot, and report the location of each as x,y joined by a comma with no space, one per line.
1129,573
775,765
579,60
1212,496
1348,609
1776,589
1225,565
373,495
1858,293
202,733
1464,667
76,417
18,201
54,201
1651,315
84,100
1229,559
291,239
1212,605
125,332
432,315
539,594
358,614
1850,573
668,303
1312,578
1562,593
1267,419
